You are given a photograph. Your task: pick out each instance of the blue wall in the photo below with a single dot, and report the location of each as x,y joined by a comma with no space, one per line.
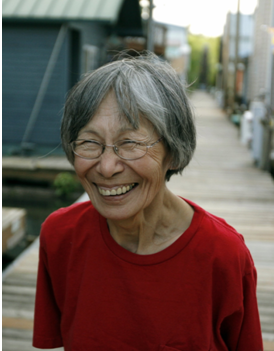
26,52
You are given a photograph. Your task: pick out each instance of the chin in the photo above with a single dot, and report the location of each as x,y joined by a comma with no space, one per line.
116,214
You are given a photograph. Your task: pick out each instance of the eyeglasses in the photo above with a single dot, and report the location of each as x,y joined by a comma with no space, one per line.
125,149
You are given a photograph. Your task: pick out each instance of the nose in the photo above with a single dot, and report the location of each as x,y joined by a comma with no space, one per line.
109,163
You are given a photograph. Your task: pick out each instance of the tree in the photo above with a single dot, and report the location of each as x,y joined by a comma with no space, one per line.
204,58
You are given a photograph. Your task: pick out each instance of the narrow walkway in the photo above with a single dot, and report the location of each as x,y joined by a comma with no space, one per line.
222,179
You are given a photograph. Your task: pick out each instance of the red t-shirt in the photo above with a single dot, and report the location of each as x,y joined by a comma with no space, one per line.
198,294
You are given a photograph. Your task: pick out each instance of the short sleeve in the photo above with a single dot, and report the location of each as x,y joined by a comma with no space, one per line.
242,330
47,316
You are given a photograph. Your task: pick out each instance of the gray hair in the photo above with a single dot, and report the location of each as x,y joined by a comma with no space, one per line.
144,86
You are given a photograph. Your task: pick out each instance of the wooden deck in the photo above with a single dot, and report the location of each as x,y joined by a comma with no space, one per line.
34,168
13,227
223,180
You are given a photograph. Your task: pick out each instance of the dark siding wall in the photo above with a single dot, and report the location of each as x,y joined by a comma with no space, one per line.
92,34
26,51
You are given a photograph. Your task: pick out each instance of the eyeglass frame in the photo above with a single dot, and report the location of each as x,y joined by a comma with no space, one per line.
115,149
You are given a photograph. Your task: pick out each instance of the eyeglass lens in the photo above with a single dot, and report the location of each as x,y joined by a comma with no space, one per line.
127,149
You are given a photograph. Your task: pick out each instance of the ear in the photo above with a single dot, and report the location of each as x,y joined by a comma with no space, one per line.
170,164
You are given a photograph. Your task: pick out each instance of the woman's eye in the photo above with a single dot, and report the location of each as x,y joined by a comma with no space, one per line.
128,142
87,144
91,143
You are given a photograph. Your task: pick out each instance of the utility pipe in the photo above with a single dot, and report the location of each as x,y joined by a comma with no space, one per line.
44,84
150,28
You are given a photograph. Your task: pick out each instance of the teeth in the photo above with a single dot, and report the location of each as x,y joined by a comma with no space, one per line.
118,191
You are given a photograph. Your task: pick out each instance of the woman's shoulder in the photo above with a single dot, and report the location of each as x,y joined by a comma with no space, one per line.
221,232
214,226
222,242
68,224
228,244
70,216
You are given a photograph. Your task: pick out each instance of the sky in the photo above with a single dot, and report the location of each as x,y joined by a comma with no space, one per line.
205,17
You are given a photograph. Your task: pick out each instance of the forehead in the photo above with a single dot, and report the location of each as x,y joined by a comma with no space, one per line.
109,115
109,112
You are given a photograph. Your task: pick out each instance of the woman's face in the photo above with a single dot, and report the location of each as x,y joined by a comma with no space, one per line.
109,172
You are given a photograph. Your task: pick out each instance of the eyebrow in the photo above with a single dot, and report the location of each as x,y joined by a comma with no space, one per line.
121,130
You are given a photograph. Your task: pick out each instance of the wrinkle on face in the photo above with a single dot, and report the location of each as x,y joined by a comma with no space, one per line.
140,220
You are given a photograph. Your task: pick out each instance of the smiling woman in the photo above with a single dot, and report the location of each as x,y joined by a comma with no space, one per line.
137,267
104,171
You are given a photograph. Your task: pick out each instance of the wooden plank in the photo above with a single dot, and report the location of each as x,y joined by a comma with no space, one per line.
13,226
17,323
11,344
268,345
17,334
10,312
21,279
18,289
34,168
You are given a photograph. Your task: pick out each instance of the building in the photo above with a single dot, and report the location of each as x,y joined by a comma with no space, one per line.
140,43
177,49
245,49
254,85
261,86
169,42
47,45
261,73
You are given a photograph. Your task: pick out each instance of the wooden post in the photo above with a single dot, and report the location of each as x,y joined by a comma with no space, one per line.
237,40
150,28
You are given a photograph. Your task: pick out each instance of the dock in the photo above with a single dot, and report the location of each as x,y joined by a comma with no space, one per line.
13,226
222,179
34,168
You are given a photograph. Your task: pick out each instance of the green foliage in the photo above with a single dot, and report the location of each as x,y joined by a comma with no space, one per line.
198,43
65,184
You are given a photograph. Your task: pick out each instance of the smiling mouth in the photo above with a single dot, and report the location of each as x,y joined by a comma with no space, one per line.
118,191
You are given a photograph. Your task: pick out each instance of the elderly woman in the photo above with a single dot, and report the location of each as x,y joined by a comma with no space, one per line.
138,268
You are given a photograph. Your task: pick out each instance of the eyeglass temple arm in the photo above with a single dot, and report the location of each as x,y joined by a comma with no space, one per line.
157,141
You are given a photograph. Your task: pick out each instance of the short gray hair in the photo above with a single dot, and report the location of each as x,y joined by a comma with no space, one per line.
144,86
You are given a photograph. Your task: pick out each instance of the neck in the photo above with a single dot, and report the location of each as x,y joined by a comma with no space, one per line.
155,227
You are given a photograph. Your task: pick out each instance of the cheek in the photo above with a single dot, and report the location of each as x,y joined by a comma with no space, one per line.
153,173
82,166
161,158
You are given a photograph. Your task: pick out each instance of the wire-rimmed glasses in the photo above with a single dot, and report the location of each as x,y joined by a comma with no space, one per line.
125,149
